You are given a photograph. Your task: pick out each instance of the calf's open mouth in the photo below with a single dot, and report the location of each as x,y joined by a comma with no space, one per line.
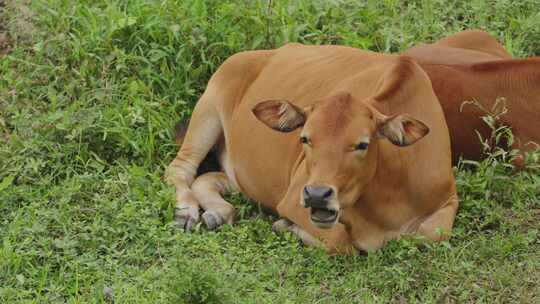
323,215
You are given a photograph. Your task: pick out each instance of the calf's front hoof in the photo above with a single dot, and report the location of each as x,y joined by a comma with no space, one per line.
281,225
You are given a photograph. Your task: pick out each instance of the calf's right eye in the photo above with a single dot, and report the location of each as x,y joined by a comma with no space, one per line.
361,146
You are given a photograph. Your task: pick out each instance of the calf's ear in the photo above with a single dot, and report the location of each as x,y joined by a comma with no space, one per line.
280,115
401,130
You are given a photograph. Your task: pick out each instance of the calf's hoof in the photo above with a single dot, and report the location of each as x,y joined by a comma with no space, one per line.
213,219
186,218
281,225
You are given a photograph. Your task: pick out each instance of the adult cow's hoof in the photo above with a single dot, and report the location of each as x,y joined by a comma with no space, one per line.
212,219
186,218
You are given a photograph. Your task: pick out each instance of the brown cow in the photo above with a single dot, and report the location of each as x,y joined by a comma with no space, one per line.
327,137
473,66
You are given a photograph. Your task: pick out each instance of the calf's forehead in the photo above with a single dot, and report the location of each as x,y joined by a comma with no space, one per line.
340,120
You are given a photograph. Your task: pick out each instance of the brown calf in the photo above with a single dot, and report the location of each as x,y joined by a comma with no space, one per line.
349,147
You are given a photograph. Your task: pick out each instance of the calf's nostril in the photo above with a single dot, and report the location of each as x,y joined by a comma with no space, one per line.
327,193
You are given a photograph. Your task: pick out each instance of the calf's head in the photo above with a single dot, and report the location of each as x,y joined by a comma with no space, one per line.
340,138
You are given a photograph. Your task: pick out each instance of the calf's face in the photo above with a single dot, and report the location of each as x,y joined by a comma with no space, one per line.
340,143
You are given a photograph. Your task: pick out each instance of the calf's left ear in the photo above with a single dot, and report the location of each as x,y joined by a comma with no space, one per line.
280,115
402,130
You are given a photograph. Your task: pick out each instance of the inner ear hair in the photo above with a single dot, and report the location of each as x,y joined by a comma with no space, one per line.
393,131
402,130
280,115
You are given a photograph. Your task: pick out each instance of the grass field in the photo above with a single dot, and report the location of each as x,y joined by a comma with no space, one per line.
89,92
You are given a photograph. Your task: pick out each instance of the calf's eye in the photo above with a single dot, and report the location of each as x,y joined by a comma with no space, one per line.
361,146
304,140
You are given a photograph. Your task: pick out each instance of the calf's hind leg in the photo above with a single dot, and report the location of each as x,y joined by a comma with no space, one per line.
202,134
208,189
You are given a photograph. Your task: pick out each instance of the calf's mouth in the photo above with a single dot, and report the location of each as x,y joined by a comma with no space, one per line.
323,217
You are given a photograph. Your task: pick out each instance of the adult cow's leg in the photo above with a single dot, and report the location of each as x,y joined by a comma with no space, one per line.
208,189
203,133
438,225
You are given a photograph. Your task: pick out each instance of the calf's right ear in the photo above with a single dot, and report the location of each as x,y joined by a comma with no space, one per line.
280,115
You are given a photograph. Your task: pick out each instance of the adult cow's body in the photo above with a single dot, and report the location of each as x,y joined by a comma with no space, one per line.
413,187
473,66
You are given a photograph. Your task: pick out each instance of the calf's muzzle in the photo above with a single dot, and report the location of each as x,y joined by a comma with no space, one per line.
317,196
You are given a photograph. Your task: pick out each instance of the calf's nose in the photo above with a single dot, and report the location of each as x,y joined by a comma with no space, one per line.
317,196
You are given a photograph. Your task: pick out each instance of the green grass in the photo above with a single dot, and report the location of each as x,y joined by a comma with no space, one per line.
89,92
